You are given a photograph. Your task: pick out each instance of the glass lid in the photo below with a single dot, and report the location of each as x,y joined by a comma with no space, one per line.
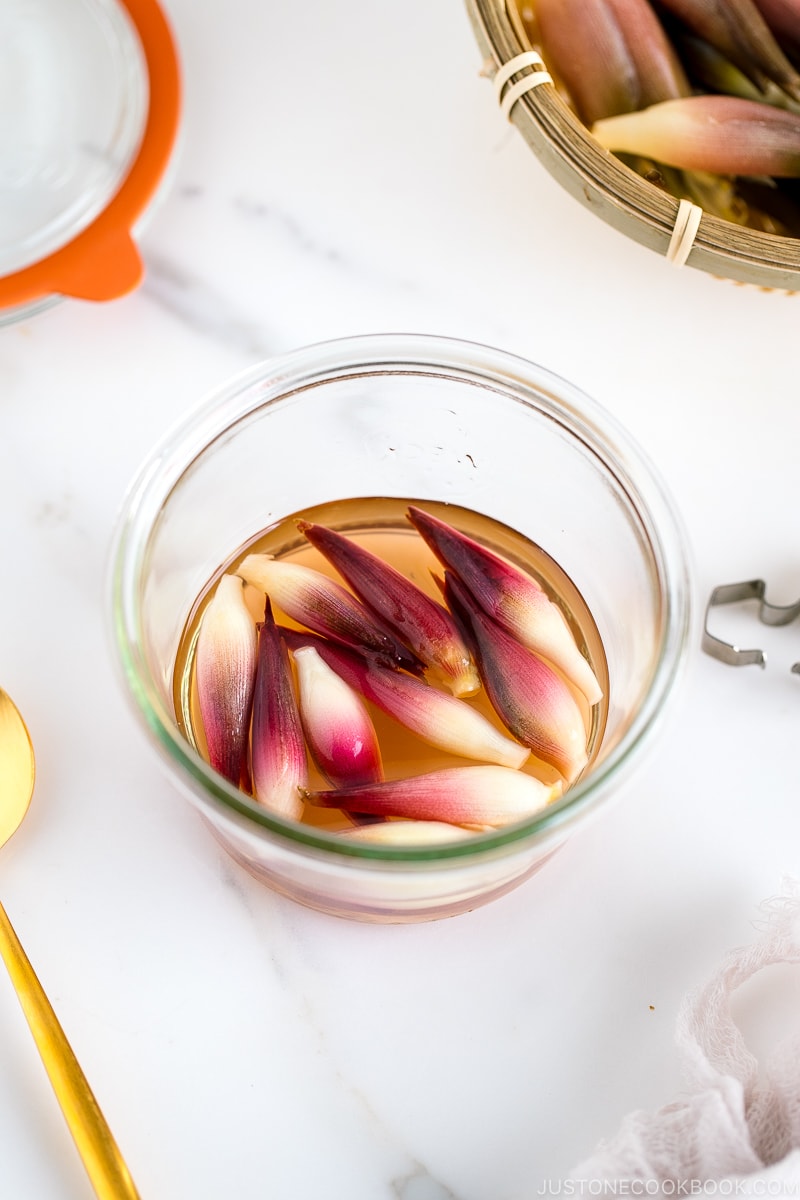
89,104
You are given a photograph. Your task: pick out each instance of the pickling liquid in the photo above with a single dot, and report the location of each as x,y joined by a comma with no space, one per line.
380,525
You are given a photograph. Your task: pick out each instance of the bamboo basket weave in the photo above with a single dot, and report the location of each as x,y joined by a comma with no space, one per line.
604,184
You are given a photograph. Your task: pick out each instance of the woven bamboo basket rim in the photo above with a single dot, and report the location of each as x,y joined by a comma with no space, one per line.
604,184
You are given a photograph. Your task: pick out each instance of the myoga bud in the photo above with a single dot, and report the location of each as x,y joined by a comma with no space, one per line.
338,728
612,55
314,600
225,661
783,18
415,619
439,719
473,796
738,30
724,134
407,833
531,698
278,754
511,597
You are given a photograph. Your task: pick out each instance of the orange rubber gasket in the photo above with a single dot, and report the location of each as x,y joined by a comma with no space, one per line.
102,261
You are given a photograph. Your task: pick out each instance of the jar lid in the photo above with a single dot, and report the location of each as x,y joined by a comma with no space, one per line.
89,108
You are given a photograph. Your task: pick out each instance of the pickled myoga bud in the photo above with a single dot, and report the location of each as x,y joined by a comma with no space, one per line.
476,796
737,29
438,718
612,55
724,134
512,597
417,620
407,833
225,661
314,600
532,699
278,754
338,728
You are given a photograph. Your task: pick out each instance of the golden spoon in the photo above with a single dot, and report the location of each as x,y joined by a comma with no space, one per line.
95,1142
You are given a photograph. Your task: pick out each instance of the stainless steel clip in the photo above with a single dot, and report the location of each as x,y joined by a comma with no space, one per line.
768,614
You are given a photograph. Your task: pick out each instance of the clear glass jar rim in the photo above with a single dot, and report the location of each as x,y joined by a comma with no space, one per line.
420,353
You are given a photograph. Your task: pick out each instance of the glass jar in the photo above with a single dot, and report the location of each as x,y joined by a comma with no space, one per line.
413,417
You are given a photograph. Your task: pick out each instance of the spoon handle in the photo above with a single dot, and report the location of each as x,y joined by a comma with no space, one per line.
101,1157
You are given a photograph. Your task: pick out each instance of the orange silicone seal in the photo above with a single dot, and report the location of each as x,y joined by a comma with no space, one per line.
102,261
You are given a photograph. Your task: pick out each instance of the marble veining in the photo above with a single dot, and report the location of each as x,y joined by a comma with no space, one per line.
203,311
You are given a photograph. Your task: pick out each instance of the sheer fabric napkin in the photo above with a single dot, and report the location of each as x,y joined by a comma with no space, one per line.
736,1128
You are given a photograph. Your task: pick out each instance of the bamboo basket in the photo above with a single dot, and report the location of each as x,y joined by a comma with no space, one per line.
603,183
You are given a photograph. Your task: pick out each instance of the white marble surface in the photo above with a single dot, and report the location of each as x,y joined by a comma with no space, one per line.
344,170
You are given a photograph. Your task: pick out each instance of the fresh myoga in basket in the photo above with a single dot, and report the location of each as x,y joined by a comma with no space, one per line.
701,97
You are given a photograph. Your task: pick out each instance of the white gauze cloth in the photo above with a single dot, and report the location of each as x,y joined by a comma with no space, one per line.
739,1120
